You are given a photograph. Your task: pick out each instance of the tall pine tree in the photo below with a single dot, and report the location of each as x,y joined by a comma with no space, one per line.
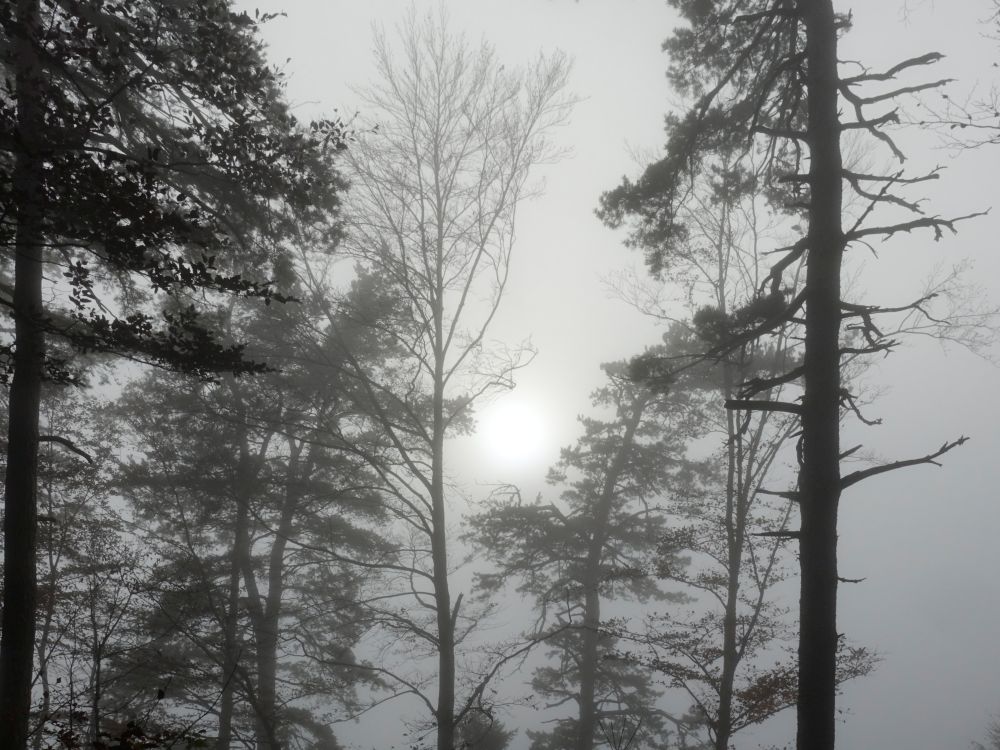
763,77
594,546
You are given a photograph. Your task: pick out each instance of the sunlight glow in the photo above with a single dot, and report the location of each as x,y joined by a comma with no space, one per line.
512,432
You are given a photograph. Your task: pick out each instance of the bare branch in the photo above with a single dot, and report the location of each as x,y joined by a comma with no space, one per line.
857,476
937,224
928,59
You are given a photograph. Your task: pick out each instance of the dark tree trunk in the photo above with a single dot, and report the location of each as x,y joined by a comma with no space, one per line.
819,477
20,528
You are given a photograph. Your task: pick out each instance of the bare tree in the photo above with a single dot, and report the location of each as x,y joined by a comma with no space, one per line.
430,224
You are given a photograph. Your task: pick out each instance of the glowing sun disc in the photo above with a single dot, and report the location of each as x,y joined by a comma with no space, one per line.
512,432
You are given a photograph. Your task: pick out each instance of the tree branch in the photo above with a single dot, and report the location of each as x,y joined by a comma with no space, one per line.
68,444
857,476
762,405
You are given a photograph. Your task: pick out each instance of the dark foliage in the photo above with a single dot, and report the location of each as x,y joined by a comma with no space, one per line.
169,164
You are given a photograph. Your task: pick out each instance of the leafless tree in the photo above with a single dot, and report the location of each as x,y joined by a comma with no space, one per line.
430,219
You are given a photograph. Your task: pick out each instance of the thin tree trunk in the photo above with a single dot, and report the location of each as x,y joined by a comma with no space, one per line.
48,598
819,477
442,594
734,542
247,473
588,715
587,723
734,532
264,728
267,627
446,619
20,519
96,656
231,659
734,548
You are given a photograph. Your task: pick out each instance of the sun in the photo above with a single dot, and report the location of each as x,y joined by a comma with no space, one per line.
512,432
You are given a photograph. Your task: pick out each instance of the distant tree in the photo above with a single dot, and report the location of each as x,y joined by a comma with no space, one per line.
430,223
767,74
481,731
992,737
717,270
142,146
91,577
596,544
257,514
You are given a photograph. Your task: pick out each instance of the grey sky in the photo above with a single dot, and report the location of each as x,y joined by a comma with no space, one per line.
926,539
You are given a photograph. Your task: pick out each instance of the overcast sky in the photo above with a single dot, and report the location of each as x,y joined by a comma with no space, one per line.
926,540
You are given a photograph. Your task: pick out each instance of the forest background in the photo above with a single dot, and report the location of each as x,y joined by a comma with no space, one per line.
924,541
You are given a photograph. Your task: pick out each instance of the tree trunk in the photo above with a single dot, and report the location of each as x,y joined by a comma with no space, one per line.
48,600
20,527
587,723
819,476
230,660
262,700
97,659
263,705
588,716
442,595
267,627
734,530
734,547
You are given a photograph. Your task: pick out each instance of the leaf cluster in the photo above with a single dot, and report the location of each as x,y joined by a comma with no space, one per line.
169,165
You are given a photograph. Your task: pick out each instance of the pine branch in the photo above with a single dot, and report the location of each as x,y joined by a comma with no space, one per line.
928,59
68,444
858,476
762,405
795,135
897,92
756,385
929,222
793,495
850,451
779,534
862,177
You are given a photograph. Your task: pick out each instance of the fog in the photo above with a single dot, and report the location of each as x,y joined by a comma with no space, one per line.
922,540
917,547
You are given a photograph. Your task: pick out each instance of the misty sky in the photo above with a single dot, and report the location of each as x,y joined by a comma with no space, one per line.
924,540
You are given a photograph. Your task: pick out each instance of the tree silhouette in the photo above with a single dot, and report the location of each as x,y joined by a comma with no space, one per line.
762,78
596,544
145,146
